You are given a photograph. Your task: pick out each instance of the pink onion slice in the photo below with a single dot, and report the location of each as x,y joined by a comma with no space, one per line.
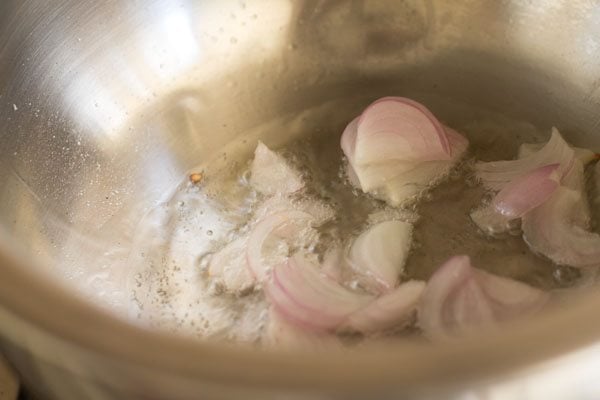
304,296
271,174
368,177
392,310
286,224
410,183
397,128
559,230
496,174
516,199
228,266
398,181
459,298
381,251
527,192
388,162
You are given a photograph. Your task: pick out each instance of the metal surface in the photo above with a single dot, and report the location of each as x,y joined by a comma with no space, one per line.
9,382
105,105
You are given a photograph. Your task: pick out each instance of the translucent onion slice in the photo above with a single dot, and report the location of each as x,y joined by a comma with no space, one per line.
397,128
559,230
381,251
392,310
271,174
333,264
459,298
398,181
348,139
516,199
228,266
369,176
284,224
496,174
574,178
492,222
584,155
409,185
302,295
527,191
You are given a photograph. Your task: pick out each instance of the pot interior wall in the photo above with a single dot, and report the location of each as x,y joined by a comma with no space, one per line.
106,106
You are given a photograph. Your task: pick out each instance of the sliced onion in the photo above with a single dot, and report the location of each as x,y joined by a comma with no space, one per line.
381,252
409,184
397,128
348,139
435,310
510,298
286,224
559,230
492,222
391,310
302,295
272,174
373,175
397,181
584,155
458,143
516,199
386,161
574,177
230,268
496,174
459,298
527,191
348,143
333,264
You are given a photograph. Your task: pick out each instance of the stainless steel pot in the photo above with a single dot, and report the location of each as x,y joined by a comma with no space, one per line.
105,105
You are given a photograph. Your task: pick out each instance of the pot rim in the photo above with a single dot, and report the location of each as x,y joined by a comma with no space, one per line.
405,364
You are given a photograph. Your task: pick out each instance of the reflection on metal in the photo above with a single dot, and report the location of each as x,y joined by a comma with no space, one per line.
104,106
9,383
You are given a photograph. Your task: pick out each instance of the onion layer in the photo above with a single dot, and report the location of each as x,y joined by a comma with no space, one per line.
381,252
271,174
304,296
399,129
583,155
229,267
409,184
397,149
393,309
516,199
459,298
286,224
497,174
559,230
527,192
